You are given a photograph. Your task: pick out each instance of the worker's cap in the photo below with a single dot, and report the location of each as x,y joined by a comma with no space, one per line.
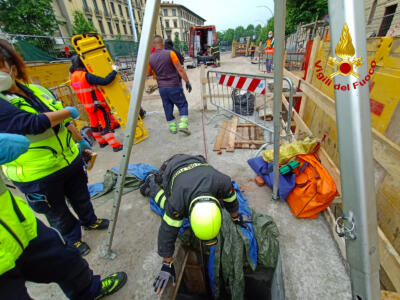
12,146
205,217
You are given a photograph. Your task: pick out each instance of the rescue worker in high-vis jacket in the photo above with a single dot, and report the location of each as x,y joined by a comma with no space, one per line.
52,169
101,120
269,50
31,251
187,187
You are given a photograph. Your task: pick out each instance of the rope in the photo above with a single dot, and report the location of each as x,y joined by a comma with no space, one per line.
204,133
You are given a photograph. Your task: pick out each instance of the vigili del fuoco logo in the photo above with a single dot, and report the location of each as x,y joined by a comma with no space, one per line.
346,65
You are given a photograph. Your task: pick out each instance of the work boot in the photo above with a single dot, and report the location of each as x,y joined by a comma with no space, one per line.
111,284
172,127
103,145
119,148
183,125
83,248
100,224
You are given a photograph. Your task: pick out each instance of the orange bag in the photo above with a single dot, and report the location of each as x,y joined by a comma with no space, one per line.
314,190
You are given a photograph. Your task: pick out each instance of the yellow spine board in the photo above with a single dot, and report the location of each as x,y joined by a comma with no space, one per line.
98,61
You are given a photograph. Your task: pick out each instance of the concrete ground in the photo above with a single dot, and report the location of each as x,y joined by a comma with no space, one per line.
312,265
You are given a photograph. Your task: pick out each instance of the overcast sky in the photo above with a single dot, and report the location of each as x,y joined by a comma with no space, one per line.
226,14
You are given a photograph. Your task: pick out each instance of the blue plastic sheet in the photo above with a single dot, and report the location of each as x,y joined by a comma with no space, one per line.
263,169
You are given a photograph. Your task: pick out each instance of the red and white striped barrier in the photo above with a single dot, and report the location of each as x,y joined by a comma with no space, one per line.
254,85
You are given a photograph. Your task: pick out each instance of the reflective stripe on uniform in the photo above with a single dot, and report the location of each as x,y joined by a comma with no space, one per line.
231,198
172,222
184,169
80,91
158,196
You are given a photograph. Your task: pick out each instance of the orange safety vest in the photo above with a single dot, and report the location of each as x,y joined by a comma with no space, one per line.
269,49
86,92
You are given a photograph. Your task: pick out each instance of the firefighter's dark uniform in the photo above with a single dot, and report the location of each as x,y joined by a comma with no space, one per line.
185,177
215,52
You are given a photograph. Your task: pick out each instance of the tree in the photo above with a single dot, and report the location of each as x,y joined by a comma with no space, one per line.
81,24
258,30
220,35
239,32
35,17
250,31
229,35
305,11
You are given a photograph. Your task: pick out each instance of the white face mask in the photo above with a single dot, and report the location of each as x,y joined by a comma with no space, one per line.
270,35
6,81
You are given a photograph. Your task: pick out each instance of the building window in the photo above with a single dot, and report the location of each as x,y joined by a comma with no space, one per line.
85,6
118,29
175,24
167,24
101,26
174,12
127,11
124,26
112,8
387,19
96,9
165,12
110,28
120,10
104,7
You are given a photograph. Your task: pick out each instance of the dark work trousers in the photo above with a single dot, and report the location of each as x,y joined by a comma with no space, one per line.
173,96
52,191
269,63
49,259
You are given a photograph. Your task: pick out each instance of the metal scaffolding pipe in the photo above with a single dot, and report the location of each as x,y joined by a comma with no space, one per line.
146,41
355,150
132,18
279,36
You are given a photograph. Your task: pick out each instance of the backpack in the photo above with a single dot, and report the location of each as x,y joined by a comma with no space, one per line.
314,190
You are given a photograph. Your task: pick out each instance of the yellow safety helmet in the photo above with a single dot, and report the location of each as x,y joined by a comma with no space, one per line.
205,218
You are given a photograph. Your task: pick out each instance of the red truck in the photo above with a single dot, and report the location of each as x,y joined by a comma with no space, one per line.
203,45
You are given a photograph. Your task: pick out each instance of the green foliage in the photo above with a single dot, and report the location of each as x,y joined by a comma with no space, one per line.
35,17
229,35
80,24
118,37
250,31
220,35
305,11
239,32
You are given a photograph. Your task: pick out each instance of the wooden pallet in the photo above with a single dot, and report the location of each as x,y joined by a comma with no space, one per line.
240,136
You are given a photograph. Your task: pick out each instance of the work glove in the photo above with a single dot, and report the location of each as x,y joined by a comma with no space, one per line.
115,68
188,87
241,220
12,146
161,281
84,144
73,111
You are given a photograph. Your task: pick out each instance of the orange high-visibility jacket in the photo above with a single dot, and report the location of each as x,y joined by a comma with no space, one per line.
86,92
269,49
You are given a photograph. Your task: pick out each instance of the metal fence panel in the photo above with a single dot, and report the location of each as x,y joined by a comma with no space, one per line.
247,97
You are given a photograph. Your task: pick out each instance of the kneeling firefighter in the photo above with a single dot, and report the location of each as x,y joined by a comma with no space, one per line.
188,187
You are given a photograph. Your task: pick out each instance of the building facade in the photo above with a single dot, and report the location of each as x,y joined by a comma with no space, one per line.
110,17
382,17
177,20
